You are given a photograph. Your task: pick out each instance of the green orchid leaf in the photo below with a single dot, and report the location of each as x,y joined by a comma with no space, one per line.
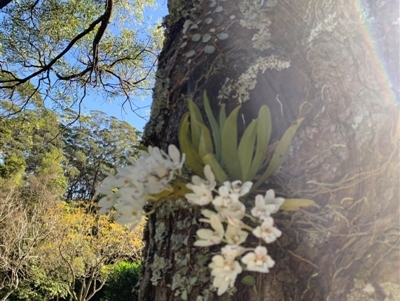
216,132
280,153
264,127
205,143
219,173
222,117
296,204
229,145
195,115
193,160
249,280
246,150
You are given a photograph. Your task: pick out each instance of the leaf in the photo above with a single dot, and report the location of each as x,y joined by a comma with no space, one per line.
216,132
296,204
140,147
202,259
222,117
264,127
205,143
248,280
229,147
281,151
246,150
216,168
193,160
195,115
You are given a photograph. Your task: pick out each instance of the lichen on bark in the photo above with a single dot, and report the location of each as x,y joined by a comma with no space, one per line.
345,156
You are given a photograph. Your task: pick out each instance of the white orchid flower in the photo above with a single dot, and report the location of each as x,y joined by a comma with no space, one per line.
267,231
209,237
259,260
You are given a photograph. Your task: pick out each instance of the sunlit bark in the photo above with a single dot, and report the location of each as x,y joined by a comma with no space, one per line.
344,80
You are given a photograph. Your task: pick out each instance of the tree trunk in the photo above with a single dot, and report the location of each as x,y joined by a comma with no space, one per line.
344,80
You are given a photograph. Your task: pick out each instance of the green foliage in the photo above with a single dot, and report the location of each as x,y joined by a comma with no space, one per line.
47,252
12,166
29,135
281,152
81,47
39,286
97,142
52,164
33,142
229,157
121,282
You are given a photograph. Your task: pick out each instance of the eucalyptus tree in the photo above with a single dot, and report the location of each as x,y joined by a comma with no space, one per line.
70,49
333,63
27,138
96,143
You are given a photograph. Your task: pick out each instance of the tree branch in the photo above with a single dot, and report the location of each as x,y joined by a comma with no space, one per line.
4,3
60,55
104,23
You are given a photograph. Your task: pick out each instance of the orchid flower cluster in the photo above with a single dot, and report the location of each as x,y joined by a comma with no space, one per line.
231,211
133,186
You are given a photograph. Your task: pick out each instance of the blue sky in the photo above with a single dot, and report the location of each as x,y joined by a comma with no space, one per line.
114,108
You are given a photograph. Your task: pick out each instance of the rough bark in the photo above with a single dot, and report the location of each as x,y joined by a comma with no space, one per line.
344,79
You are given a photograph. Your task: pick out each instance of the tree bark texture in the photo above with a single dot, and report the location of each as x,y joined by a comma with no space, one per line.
344,80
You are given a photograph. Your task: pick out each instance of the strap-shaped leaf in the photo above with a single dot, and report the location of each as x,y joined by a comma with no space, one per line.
195,115
264,127
246,150
280,153
222,117
193,160
216,132
217,170
205,143
296,204
229,145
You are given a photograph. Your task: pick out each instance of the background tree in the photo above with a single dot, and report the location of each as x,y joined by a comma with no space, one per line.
34,141
67,49
27,138
39,167
84,245
22,229
40,286
313,59
96,143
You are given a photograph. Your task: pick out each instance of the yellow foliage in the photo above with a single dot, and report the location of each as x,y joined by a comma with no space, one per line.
83,241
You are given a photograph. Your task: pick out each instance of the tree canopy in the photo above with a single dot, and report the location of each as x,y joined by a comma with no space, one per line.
52,243
70,49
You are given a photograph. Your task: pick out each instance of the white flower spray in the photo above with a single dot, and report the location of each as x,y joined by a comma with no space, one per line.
133,186
230,210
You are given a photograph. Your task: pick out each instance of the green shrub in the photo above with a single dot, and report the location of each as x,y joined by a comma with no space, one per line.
121,282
